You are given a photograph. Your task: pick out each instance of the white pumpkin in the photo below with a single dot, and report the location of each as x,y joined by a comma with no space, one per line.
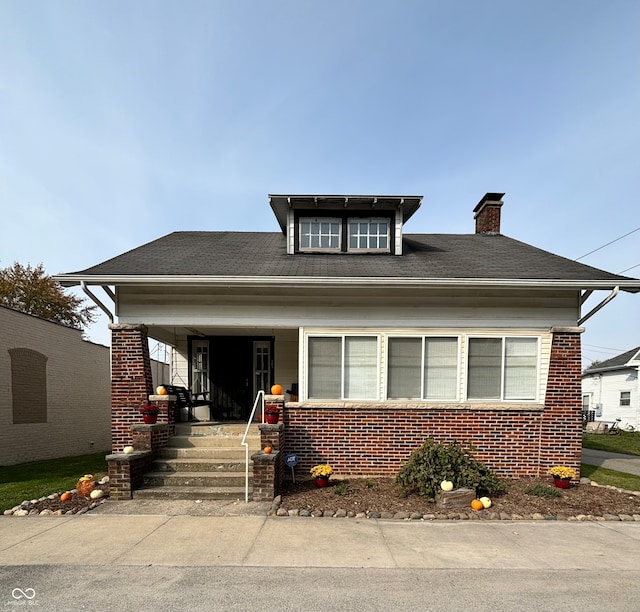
127,450
486,502
446,485
96,493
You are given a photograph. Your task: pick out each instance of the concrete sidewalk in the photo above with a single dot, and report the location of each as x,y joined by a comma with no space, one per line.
261,541
629,464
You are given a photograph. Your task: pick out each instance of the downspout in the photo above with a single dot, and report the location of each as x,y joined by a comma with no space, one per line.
602,304
96,301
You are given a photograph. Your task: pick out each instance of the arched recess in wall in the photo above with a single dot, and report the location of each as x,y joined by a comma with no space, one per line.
28,385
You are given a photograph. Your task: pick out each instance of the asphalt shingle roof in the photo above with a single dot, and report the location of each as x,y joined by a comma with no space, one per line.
262,254
614,362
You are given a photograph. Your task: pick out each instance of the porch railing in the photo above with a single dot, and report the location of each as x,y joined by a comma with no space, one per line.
259,401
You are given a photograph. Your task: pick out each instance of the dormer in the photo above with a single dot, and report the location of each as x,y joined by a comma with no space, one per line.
341,224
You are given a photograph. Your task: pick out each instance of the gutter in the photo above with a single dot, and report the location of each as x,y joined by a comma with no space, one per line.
602,304
96,301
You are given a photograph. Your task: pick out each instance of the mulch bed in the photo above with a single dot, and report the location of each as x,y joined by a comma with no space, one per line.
383,496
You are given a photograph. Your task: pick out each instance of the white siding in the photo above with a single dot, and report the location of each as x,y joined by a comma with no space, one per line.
604,389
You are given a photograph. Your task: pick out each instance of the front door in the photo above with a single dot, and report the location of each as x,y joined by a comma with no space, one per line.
237,370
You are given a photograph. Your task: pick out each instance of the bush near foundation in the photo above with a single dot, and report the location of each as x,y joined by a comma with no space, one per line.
434,462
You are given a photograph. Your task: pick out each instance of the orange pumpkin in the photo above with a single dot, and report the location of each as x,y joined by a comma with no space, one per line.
161,391
66,496
476,504
277,390
267,450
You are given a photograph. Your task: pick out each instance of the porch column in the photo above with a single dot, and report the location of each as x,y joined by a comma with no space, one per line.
561,429
131,382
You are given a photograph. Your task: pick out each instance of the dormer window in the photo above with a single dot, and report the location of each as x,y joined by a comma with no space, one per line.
322,234
369,234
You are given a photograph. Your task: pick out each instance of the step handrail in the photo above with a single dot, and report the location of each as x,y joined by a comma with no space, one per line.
259,398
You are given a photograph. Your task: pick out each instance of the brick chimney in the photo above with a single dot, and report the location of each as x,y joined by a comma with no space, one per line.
487,214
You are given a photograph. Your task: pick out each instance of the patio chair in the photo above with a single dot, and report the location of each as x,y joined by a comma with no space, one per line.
186,399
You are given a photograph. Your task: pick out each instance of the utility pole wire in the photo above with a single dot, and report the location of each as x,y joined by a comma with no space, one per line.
627,269
606,245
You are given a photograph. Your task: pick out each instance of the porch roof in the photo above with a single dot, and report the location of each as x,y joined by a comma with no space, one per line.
260,258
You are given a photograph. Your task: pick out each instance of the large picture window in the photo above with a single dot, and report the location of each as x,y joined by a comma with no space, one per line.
422,368
343,367
502,368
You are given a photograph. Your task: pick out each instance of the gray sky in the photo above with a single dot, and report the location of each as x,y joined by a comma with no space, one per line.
123,121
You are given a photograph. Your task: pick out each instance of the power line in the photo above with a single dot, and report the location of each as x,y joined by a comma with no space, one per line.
606,245
627,269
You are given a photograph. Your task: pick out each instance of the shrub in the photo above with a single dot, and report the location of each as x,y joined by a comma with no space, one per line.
543,491
434,462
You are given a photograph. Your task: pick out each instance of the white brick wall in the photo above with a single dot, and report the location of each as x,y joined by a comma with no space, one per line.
78,392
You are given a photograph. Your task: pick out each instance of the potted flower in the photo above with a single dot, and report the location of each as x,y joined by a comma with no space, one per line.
320,473
562,475
149,414
271,414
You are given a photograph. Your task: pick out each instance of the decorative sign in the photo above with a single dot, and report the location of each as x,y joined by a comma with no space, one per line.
291,459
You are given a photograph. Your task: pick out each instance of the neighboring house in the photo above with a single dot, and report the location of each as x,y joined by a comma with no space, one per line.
384,338
54,391
610,390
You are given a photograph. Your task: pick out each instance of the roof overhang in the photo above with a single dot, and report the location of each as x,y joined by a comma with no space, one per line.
281,204
71,280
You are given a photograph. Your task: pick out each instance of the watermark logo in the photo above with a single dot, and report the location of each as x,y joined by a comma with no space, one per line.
23,597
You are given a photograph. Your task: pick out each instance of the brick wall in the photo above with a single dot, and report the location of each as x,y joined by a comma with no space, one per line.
73,418
522,441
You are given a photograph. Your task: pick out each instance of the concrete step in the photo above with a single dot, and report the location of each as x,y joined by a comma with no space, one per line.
216,429
212,441
211,465
193,479
211,453
180,493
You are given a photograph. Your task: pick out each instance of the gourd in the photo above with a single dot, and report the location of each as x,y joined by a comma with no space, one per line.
267,450
96,494
127,450
161,390
85,485
476,504
277,390
486,502
66,496
446,485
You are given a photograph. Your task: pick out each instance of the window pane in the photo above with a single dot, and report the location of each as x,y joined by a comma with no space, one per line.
485,365
325,363
360,367
440,368
625,398
520,376
404,368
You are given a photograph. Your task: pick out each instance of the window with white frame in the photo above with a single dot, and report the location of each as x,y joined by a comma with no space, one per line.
368,234
422,368
342,367
320,234
502,368
625,398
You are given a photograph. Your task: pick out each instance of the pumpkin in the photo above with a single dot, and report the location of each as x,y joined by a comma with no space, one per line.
85,485
96,494
267,450
486,502
476,504
127,450
277,390
66,496
161,390
446,485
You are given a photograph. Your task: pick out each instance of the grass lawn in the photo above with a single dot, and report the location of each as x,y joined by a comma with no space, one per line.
39,478
604,476
625,442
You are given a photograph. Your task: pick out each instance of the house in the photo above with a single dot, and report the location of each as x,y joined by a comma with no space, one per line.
611,391
382,337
